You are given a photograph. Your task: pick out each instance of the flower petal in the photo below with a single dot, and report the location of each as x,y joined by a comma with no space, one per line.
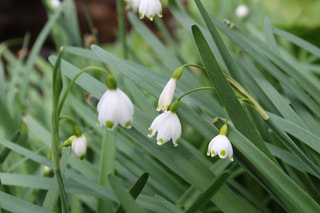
114,108
167,125
166,95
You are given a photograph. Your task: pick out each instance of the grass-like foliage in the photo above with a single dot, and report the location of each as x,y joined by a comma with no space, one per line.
64,150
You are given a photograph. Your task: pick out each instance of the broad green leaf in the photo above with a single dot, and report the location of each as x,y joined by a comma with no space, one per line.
237,114
269,34
212,189
288,191
299,132
231,66
169,206
124,196
136,188
14,204
298,41
57,79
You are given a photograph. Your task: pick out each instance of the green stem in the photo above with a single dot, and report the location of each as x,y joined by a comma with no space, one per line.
63,195
254,104
193,65
55,141
68,118
194,90
107,166
73,81
122,27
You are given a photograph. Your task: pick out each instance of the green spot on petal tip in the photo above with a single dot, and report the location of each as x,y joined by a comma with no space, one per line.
128,124
109,124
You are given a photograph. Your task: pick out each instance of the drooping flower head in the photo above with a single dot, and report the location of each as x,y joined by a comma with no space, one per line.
79,146
220,145
167,125
150,8
114,108
167,93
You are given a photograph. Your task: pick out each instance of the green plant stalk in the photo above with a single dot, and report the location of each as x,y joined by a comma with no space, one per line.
68,118
55,140
73,81
55,158
195,90
107,166
122,28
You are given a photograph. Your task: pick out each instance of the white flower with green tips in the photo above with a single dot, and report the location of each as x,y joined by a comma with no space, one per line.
79,146
167,125
150,8
167,93
114,108
220,145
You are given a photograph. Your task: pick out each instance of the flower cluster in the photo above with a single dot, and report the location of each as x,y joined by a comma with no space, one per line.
167,124
148,8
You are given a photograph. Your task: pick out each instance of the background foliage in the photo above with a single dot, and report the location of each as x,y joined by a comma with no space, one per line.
276,166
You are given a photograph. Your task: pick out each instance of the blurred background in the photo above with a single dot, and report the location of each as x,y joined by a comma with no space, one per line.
18,17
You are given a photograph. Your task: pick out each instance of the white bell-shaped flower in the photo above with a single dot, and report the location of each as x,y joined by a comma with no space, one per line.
242,11
79,146
150,8
220,145
134,4
114,108
168,127
166,95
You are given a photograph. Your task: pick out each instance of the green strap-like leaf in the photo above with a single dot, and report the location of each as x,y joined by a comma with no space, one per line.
14,204
136,189
237,114
212,189
57,79
126,200
294,198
